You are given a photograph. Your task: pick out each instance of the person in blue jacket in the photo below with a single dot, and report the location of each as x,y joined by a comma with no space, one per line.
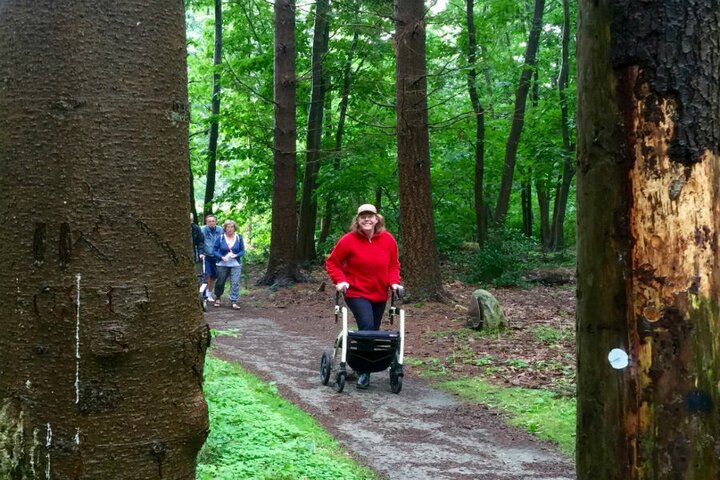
228,250
211,232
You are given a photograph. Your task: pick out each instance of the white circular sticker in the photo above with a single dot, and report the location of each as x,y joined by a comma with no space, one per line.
618,358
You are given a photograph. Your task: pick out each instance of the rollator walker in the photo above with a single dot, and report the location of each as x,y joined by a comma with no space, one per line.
365,350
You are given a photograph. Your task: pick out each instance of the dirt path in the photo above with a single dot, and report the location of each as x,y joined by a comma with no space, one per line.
419,434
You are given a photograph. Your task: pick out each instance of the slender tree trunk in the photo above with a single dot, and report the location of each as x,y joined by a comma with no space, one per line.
648,270
563,190
480,217
421,269
543,196
103,341
308,201
503,203
345,95
215,113
526,205
282,264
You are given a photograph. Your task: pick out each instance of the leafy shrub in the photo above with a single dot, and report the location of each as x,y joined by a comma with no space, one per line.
506,254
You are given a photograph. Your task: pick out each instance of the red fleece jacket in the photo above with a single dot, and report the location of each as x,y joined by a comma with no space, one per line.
370,266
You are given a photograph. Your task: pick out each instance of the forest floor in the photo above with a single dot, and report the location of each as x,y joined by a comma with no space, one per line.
423,432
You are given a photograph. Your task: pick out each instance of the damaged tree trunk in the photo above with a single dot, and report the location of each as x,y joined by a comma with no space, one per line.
103,342
648,217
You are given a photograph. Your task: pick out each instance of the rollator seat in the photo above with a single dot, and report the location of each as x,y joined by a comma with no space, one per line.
367,334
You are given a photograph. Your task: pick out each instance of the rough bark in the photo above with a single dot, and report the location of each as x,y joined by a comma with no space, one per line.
313,141
511,147
282,267
480,216
648,136
215,113
103,341
563,189
420,266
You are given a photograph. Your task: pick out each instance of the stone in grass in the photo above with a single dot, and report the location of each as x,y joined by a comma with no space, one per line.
485,312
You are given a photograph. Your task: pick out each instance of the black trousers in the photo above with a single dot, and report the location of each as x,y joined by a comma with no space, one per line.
368,315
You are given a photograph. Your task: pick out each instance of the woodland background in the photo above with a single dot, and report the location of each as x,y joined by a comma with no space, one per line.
500,112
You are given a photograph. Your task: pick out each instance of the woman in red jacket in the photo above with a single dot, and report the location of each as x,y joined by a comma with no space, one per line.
364,262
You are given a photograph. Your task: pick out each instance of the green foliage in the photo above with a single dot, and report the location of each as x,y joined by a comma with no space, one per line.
255,434
364,169
505,256
537,411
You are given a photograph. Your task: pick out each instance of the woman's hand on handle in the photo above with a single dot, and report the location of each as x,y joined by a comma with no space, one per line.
342,287
398,289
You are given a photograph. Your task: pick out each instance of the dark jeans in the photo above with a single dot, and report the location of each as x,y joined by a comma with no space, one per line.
368,315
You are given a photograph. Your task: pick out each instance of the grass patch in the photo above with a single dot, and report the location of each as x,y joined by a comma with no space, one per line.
550,335
256,434
537,411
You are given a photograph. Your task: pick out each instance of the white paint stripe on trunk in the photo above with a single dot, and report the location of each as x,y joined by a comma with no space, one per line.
48,443
77,341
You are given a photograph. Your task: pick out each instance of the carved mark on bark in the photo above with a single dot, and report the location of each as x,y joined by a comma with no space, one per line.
38,246
158,450
94,248
117,331
164,245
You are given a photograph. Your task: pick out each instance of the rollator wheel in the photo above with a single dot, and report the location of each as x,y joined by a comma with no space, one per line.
396,382
325,367
340,382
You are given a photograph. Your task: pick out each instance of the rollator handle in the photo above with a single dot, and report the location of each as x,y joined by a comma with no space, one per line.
337,302
396,295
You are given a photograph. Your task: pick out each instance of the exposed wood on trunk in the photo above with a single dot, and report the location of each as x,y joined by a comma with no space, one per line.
103,343
648,217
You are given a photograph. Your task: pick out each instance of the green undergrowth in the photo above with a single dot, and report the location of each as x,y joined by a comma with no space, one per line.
539,412
256,434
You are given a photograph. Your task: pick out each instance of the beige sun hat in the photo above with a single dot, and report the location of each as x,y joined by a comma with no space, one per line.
366,207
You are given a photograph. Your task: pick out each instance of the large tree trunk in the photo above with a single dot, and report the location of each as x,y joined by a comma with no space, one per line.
282,267
563,190
421,269
511,147
308,201
215,113
103,341
480,216
649,130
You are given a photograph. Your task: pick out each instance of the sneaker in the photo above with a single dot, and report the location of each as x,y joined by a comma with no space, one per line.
217,302
235,306
210,296
363,381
